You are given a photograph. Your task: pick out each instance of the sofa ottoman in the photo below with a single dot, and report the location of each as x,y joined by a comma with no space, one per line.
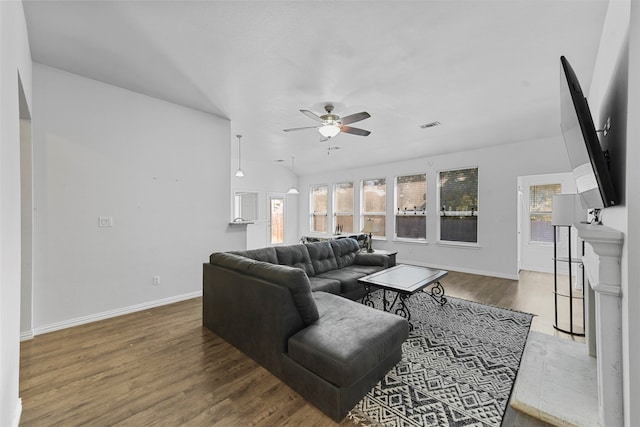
349,346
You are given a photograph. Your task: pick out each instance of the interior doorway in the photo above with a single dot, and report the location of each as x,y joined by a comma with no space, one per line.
26,218
535,232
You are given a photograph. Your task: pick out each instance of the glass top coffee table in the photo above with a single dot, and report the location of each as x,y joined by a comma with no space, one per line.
405,280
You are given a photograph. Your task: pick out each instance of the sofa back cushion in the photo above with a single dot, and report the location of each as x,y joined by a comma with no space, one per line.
295,256
345,251
322,257
293,278
262,254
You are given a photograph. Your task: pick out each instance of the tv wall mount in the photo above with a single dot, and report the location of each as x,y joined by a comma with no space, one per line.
607,127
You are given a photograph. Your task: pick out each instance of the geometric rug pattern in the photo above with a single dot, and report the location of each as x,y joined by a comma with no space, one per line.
458,367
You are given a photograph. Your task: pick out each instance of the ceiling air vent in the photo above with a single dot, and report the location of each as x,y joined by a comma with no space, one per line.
430,125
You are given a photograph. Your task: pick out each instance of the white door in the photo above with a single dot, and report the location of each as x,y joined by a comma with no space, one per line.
275,225
535,208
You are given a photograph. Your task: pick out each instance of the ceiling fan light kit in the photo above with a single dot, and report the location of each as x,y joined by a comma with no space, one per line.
329,131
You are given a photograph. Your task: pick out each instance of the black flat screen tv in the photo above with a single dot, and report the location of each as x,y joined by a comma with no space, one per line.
588,161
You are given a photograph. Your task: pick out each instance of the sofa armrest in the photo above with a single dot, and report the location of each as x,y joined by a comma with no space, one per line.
294,279
254,315
380,260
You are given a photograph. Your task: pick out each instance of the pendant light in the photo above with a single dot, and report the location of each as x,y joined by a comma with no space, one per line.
239,172
293,189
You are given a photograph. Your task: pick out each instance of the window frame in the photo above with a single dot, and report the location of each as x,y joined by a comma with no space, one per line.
396,213
336,213
474,212
530,241
312,213
363,213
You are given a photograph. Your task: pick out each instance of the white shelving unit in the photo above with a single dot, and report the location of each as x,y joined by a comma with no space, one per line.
570,297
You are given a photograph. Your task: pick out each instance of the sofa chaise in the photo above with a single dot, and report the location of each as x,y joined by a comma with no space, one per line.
292,310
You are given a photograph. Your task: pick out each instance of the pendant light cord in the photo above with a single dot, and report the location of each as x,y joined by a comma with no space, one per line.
239,152
239,172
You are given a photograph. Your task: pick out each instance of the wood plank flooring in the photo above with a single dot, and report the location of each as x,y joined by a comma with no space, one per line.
161,367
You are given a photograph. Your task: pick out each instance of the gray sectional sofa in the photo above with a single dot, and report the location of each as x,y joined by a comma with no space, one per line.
291,309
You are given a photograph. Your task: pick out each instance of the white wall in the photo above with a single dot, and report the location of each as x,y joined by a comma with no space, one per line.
631,272
614,93
499,168
161,171
267,178
15,60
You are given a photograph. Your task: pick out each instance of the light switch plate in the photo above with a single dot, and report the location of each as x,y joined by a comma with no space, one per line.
105,221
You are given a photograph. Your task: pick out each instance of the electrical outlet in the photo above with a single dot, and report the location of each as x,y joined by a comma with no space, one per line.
156,280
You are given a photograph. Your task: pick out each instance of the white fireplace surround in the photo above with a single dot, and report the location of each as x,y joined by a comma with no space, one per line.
601,260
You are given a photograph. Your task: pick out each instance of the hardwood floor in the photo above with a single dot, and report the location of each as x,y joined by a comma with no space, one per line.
533,293
160,367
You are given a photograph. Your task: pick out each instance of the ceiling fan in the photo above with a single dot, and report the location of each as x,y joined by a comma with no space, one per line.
332,124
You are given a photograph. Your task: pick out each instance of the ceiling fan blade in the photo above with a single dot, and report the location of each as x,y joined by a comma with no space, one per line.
312,115
354,131
303,128
352,118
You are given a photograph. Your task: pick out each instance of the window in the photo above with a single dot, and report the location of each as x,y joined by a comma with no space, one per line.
374,205
318,208
540,206
459,205
411,207
343,207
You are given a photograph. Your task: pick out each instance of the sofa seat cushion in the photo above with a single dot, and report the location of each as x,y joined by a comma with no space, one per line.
348,278
336,350
295,256
364,258
365,270
322,257
325,284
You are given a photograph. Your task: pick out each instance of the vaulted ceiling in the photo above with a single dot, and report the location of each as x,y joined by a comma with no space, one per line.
488,71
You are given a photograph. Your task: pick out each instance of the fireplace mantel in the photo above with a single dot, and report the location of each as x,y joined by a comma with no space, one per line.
602,257
601,235
601,260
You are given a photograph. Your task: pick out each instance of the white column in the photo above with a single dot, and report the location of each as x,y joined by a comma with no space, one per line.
601,261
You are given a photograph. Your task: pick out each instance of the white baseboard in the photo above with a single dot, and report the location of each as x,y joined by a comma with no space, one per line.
537,268
17,414
113,313
26,336
561,269
462,270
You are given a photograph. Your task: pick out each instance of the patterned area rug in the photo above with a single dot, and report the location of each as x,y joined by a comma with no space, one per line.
457,369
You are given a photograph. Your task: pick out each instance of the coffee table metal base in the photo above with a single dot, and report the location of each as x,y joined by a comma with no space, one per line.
392,282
